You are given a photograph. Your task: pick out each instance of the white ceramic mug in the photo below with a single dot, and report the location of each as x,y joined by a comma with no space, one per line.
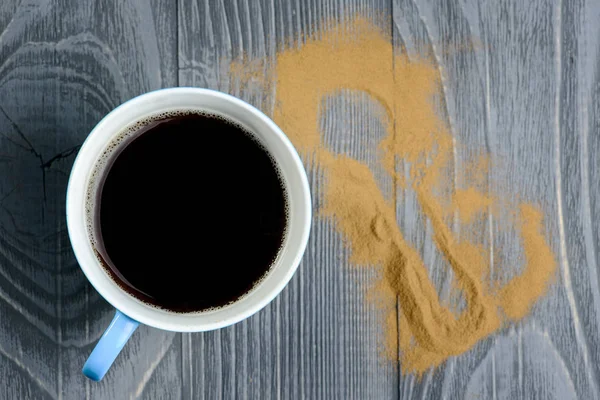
131,311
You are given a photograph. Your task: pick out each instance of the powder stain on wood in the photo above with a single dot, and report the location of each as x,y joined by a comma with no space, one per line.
358,56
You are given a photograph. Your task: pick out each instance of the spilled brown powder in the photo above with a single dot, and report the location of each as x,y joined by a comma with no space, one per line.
357,56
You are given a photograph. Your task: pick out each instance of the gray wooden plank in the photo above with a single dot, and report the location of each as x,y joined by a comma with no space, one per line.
577,63
320,337
63,66
529,93
418,33
523,90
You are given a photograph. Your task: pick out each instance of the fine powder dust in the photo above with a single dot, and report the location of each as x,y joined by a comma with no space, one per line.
357,56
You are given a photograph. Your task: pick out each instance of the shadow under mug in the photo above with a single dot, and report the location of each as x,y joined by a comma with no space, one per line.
131,311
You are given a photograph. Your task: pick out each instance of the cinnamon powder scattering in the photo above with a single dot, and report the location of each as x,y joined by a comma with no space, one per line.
358,56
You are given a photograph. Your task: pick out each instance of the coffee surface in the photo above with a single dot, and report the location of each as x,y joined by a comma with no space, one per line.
192,213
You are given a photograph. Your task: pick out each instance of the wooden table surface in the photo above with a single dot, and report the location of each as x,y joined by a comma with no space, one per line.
529,93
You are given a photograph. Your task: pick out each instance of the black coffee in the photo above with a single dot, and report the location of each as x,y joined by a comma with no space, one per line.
192,213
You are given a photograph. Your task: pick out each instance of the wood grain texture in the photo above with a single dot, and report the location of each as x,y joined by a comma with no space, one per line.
520,80
319,339
63,66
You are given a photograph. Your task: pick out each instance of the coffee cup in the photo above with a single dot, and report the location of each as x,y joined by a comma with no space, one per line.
131,311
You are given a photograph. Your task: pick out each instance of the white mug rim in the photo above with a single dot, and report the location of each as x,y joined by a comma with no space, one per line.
274,282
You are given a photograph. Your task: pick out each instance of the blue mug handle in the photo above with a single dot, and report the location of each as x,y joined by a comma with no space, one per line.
108,348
